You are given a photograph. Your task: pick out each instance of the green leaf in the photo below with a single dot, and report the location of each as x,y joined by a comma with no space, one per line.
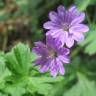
19,59
15,90
73,91
44,88
4,72
84,87
3,94
46,79
40,88
88,87
90,41
33,57
91,48
82,4
42,84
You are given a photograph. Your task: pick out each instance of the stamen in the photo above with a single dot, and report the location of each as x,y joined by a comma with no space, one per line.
52,53
65,27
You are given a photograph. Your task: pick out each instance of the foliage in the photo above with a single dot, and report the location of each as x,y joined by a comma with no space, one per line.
16,77
84,87
90,41
22,21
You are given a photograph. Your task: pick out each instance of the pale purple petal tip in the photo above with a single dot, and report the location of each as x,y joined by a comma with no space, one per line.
64,59
61,10
79,37
69,42
53,16
60,66
79,28
78,19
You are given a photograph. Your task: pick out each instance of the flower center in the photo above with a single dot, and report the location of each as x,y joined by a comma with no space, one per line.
65,27
52,53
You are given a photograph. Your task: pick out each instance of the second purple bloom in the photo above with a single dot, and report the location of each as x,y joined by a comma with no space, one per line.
51,56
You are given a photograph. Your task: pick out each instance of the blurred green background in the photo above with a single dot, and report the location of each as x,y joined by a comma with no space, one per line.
22,21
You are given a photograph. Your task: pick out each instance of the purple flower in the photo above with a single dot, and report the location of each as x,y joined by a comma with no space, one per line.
51,56
66,25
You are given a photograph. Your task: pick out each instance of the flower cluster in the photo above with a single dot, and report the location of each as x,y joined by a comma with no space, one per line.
64,28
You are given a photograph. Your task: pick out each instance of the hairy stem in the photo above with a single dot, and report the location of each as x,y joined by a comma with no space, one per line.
75,52
5,40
